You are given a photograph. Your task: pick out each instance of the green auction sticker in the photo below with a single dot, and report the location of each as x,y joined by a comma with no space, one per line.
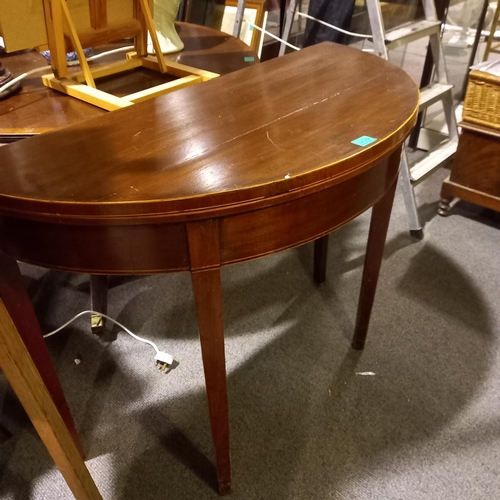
364,140
249,59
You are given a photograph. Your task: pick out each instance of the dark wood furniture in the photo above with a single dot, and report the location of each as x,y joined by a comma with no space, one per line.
475,173
237,168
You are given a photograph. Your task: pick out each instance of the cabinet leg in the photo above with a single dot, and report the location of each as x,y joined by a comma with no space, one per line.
444,206
381,214
446,198
320,259
98,302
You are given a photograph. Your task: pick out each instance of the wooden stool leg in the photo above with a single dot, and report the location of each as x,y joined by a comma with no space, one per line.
16,300
320,258
205,273
381,214
29,387
98,302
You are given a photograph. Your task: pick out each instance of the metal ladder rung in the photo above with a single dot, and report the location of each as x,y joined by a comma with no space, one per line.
384,41
410,32
422,168
433,93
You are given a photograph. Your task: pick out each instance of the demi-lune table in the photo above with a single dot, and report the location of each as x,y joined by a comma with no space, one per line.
261,160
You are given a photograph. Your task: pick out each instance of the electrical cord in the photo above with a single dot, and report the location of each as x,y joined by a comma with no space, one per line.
163,360
46,68
24,75
262,30
359,35
95,313
108,52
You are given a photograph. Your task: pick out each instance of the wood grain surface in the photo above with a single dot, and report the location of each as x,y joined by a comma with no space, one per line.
477,160
475,173
268,130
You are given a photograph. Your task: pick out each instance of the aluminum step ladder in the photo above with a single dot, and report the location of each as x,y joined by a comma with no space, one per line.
238,19
412,174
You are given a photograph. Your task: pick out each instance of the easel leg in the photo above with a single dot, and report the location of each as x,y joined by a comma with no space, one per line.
381,214
16,301
77,46
204,248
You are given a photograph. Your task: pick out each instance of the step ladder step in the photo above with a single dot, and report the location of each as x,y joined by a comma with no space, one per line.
433,93
410,32
438,149
430,139
432,160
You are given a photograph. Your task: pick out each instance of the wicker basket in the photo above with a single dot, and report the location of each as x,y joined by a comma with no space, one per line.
482,101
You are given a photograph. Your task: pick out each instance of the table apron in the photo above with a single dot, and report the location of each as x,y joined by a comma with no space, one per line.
163,247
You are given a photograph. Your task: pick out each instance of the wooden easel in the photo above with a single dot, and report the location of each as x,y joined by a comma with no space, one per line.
63,36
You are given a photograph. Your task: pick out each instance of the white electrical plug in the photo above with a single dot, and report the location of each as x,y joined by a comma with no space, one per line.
163,360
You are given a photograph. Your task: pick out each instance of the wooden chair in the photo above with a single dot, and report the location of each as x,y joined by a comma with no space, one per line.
25,360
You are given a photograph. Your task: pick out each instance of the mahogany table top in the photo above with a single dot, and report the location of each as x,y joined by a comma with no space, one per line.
251,135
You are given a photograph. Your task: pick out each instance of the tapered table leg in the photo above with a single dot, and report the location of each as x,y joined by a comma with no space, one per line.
98,302
381,214
320,258
205,273
16,301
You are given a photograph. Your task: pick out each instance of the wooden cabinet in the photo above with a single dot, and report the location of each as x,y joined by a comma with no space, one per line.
475,174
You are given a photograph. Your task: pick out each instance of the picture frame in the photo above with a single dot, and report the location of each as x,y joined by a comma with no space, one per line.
254,13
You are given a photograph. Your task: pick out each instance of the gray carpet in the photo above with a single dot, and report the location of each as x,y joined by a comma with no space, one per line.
305,422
